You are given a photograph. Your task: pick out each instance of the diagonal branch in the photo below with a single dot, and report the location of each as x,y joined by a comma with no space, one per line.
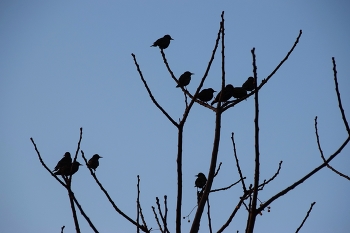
307,215
321,153
338,97
150,94
273,177
143,228
264,81
237,163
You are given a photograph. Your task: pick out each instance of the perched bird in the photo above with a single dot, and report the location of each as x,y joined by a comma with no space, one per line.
93,162
163,42
68,169
238,92
66,160
184,79
200,181
226,94
249,85
206,94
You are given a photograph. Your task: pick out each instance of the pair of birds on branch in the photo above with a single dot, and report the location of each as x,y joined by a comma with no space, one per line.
65,167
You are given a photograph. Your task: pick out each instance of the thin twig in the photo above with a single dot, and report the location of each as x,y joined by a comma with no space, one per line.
157,220
209,218
241,201
166,213
228,187
217,171
237,163
261,186
264,81
62,229
322,155
338,97
138,205
307,215
143,228
150,94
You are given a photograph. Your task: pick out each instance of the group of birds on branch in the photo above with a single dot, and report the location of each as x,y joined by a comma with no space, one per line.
65,167
206,95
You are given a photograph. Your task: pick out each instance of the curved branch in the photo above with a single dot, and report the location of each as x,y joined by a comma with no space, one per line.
150,94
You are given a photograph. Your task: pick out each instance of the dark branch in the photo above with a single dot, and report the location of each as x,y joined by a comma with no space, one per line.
307,215
150,93
237,163
143,228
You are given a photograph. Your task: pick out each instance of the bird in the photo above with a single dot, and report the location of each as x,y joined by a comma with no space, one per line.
163,42
206,94
238,92
68,169
226,94
93,162
200,181
249,85
66,160
184,79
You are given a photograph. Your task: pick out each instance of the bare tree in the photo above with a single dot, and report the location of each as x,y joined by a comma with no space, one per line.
250,194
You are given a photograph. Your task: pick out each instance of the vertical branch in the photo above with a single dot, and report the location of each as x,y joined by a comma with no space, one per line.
222,53
253,212
138,205
165,213
75,218
237,163
179,178
199,212
209,218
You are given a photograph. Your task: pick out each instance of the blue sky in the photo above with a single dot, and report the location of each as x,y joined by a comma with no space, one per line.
66,65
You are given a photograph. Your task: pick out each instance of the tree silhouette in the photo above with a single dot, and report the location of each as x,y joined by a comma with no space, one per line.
248,200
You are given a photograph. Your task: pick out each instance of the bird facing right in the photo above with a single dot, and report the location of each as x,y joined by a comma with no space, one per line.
163,42
93,162
200,181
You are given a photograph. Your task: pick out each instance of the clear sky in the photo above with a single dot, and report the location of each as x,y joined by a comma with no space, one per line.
66,65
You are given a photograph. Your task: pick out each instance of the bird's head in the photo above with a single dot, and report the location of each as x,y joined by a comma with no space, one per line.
96,156
168,37
67,154
200,174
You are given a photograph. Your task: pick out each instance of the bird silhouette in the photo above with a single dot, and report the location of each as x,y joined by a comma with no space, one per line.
200,181
184,79
226,94
66,160
93,162
249,85
238,92
68,169
163,42
206,94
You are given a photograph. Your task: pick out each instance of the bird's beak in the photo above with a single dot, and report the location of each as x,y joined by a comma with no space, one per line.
192,73
171,39
100,156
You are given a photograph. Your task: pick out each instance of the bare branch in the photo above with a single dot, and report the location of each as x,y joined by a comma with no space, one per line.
228,187
156,217
217,171
241,201
62,229
150,94
143,228
209,218
307,215
237,163
338,96
322,156
273,177
264,81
